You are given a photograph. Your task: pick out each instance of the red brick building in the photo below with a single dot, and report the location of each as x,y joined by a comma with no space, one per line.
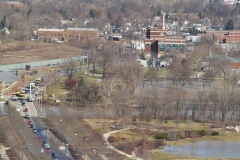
226,36
158,43
66,34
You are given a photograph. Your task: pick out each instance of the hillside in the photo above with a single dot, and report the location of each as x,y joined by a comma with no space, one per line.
19,52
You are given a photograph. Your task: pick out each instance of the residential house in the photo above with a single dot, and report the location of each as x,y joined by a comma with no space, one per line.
138,45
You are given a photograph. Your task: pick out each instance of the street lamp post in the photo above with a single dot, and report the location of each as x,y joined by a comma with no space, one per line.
67,149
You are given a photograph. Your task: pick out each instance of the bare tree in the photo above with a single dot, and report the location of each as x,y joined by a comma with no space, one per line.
107,54
69,66
179,71
109,88
196,57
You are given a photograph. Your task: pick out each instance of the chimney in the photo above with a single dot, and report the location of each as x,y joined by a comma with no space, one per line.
163,21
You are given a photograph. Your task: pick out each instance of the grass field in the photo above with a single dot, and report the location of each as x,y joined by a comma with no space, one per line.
59,89
129,136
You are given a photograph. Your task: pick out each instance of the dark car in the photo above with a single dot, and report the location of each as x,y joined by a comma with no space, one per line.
31,126
23,102
53,155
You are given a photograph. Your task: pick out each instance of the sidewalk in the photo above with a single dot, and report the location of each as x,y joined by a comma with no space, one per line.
3,153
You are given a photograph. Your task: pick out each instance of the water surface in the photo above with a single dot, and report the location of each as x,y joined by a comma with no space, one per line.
207,149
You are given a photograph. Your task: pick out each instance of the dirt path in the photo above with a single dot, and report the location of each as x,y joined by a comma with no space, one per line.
106,136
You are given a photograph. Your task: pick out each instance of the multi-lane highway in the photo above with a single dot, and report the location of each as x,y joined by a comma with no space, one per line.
42,130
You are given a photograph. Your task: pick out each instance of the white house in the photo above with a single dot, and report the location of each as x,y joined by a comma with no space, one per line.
138,45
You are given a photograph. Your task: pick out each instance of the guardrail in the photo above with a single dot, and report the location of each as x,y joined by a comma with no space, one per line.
37,108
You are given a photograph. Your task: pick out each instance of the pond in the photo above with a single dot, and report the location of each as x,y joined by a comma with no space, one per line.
206,149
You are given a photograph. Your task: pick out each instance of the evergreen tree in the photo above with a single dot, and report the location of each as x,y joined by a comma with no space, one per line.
200,15
3,22
109,14
92,13
230,25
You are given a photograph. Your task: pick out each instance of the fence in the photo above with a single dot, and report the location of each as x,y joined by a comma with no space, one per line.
37,63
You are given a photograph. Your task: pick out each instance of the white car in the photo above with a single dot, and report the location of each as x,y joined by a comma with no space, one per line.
46,145
34,130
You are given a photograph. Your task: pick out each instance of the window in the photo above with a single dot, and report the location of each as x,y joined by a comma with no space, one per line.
181,47
175,46
161,47
168,47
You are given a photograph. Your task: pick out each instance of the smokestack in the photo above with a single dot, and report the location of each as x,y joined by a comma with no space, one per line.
163,21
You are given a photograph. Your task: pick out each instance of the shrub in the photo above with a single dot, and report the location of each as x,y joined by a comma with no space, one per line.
187,132
166,121
157,143
111,139
202,132
179,136
215,133
161,136
134,118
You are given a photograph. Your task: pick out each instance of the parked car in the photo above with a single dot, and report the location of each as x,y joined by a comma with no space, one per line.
27,116
46,145
53,154
31,125
25,110
30,122
48,150
40,139
34,130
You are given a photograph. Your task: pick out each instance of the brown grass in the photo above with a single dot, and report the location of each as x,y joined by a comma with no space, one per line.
19,52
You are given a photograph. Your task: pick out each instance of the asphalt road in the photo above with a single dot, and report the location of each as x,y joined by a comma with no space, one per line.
49,138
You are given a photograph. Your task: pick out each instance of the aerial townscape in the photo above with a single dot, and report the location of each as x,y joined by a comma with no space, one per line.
119,79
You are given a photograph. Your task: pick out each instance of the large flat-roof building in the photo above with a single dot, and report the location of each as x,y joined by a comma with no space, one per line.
66,34
224,36
158,43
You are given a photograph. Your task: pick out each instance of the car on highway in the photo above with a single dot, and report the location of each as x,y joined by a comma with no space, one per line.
27,116
17,92
14,98
23,102
22,95
30,99
34,130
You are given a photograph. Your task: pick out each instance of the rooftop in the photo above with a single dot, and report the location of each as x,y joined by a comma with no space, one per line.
46,29
8,77
82,29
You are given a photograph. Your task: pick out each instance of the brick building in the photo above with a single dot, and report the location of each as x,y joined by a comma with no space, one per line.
65,34
226,36
158,43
